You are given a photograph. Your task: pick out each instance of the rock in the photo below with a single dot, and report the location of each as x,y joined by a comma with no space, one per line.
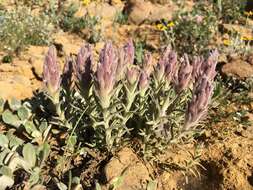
35,56
21,78
135,173
162,11
17,86
104,11
141,11
171,181
238,68
69,43
250,59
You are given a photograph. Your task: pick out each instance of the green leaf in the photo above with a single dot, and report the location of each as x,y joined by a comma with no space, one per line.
14,104
152,185
2,102
4,170
76,180
43,126
10,119
116,182
44,151
29,154
35,176
6,181
23,113
31,129
62,186
3,155
17,162
36,134
72,141
4,141
98,187
13,140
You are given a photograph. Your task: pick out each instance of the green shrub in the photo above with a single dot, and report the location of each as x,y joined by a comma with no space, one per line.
20,28
30,3
121,18
229,10
68,22
193,31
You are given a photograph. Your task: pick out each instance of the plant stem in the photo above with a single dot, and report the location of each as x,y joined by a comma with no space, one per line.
108,131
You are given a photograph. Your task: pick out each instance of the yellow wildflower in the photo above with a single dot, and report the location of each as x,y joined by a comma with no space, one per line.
86,2
248,13
171,24
227,42
161,27
246,38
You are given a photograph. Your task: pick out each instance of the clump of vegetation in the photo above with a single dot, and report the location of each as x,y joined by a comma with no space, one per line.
29,3
69,22
20,28
121,17
229,11
86,111
236,45
192,31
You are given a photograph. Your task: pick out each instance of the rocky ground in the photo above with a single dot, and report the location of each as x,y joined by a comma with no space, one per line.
226,160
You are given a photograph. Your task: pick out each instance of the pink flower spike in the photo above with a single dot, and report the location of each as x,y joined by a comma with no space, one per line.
144,82
183,76
106,74
148,63
132,75
198,106
209,66
83,68
126,59
51,71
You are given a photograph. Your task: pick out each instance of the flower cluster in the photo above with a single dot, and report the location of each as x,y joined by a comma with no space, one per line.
165,26
121,96
51,73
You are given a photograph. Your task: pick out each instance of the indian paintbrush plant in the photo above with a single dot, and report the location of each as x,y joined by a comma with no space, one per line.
100,107
119,100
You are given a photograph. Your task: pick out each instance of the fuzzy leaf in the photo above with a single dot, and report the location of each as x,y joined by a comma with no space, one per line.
32,130
72,141
35,176
61,186
29,154
116,182
152,185
2,102
23,113
14,104
3,155
98,187
17,162
10,119
4,141
13,140
6,181
45,150
4,170
76,180
43,126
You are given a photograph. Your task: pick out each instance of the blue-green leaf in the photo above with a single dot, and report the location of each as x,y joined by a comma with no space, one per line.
29,154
